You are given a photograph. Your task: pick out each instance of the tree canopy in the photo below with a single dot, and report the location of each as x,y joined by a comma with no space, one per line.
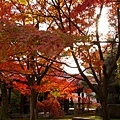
33,55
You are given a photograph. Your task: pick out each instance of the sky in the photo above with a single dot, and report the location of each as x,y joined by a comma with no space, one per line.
103,23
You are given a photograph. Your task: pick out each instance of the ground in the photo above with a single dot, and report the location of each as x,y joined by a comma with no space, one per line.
87,114
69,117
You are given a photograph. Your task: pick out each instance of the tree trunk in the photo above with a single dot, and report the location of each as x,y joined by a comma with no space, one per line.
9,95
104,110
66,105
104,99
4,107
21,105
33,101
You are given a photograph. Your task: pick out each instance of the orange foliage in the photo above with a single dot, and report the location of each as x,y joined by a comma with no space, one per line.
25,43
59,87
36,51
14,67
51,105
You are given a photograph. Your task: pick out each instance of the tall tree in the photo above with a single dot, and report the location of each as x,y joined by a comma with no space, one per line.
30,53
78,18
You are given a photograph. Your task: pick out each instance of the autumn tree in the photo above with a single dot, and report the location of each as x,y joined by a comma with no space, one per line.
26,56
78,18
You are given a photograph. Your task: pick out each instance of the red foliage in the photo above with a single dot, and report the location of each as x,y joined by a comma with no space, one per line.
19,42
10,67
59,87
6,10
86,4
51,105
